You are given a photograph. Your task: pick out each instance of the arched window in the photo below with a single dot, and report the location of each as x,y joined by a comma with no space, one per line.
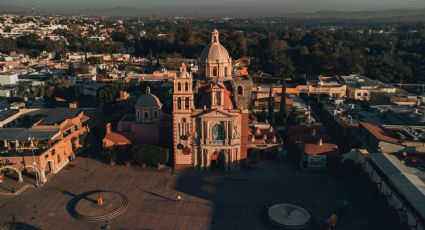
179,103
186,86
179,86
217,132
225,71
186,103
215,72
217,98
240,90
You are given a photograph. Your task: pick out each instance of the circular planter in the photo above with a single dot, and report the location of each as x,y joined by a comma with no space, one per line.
289,216
85,208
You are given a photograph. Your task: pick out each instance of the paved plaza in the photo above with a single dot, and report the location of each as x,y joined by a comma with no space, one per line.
210,199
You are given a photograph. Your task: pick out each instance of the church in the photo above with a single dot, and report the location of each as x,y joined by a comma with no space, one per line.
208,126
210,113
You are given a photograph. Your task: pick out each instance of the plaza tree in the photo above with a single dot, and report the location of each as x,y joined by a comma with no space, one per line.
150,155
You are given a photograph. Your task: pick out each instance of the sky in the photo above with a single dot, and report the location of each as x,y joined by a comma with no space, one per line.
222,6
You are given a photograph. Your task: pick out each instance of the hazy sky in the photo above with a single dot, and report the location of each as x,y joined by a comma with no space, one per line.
207,6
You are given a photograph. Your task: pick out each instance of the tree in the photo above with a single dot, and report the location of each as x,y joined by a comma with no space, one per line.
110,154
150,155
118,36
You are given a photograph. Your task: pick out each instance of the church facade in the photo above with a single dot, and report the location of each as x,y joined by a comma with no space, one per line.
210,113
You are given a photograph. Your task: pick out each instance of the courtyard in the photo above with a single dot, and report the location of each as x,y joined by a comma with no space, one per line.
212,199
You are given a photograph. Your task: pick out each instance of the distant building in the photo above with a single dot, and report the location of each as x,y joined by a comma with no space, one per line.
361,88
8,78
391,139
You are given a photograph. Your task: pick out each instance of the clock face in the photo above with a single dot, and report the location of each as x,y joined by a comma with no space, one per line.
180,146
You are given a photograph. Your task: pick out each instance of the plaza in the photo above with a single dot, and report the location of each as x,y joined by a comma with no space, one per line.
210,199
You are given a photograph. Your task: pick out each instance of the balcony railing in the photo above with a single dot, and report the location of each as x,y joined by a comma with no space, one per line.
222,142
215,142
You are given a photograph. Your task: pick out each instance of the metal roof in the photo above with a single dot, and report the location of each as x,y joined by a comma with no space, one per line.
55,116
21,134
7,113
406,180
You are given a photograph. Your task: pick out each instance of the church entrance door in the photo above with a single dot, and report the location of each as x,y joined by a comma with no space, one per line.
218,160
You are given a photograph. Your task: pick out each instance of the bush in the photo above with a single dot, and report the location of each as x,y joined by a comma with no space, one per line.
150,155
110,154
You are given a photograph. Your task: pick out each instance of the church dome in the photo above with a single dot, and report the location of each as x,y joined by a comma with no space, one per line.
214,52
148,100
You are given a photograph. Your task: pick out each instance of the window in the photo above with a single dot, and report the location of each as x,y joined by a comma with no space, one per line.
186,103
146,115
215,72
138,114
240,90
179,86
59,158
225,71
217,132
365,94
359,94
179,103
217,98
186,86
156,114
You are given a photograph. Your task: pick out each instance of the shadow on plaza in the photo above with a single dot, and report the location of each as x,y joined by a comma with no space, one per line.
228,191
239,198
18,225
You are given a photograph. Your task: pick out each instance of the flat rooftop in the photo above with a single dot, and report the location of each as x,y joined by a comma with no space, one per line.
362,82
23,134
54,116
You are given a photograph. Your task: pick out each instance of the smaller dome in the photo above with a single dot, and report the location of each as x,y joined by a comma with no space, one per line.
148,100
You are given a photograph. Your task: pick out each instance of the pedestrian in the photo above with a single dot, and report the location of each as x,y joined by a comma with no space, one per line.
178,198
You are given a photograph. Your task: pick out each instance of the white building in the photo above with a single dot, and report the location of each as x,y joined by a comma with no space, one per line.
8,78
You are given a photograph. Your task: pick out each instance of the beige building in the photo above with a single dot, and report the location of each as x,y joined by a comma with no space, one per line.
361,88
46,147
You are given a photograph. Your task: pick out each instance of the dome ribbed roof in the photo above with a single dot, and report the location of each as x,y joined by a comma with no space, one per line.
215,51
148,100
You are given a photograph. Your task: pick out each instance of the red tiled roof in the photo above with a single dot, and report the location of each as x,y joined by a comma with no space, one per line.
379,133
323,149
117,138
58,99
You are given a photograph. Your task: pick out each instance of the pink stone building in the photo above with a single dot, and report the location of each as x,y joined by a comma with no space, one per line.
209,128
